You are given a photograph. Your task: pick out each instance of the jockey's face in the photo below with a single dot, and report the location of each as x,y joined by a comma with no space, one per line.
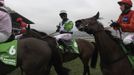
63,16
122,7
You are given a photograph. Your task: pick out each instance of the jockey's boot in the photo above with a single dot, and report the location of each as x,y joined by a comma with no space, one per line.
66,44
130,48
66,48
62,42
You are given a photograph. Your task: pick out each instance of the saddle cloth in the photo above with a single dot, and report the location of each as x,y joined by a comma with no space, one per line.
8,52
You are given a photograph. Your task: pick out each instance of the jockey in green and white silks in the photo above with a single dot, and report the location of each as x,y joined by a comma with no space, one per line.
65,27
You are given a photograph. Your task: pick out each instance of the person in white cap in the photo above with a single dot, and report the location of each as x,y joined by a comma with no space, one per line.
64,28
5,23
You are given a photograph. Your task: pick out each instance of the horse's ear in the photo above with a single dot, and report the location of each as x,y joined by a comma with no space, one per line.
97,15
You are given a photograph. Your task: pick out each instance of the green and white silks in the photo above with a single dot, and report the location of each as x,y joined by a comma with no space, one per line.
67,26
8,52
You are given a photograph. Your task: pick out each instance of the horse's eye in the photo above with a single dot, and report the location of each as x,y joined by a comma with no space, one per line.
79,21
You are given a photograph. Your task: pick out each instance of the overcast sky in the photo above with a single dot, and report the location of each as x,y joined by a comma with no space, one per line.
45,13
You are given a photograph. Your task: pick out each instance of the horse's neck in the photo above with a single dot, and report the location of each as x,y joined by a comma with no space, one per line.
109,52
109,49
37,34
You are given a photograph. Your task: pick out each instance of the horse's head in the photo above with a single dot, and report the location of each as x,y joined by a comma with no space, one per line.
89,25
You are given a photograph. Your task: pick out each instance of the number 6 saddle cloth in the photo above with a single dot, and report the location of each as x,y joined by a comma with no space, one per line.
8,52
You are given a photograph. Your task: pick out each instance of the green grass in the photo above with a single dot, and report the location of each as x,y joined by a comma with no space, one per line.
75,66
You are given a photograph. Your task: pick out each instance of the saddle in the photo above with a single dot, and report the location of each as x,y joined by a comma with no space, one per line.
8,52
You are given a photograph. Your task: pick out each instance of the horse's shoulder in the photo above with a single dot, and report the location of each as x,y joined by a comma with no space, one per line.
86,42
83,40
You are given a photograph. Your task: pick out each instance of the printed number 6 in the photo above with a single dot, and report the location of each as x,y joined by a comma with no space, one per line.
12,50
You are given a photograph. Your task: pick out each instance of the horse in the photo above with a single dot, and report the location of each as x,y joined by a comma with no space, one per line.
33,56
86,49
113,60
55,58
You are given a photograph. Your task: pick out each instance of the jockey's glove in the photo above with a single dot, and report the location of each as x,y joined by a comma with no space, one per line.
58,28
114,24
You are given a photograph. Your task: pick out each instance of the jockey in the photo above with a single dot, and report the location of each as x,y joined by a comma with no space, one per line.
64,28
5,23
126,22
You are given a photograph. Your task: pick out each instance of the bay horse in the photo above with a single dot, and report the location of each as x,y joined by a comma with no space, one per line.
33,56
113,60
55,56
86,49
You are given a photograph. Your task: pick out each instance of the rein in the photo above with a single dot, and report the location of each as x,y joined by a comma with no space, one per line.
48,35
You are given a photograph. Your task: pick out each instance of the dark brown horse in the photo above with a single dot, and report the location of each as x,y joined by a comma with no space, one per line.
113,60
33,56
55,56
86,49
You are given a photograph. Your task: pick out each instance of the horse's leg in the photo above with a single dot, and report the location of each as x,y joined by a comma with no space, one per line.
21,69
86,49
57,60
86,69
57,63
43,69
85,62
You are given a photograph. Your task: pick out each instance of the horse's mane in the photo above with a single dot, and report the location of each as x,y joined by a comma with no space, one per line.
43,35
109,33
